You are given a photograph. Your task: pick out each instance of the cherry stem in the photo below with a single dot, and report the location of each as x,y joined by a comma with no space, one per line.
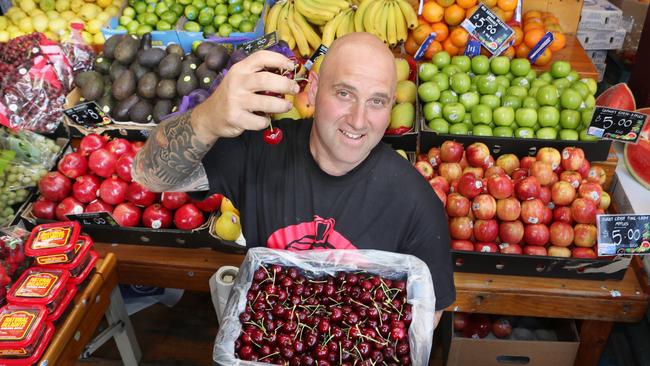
358,303
269,355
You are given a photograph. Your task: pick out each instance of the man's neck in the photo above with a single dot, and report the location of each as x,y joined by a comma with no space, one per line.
322,158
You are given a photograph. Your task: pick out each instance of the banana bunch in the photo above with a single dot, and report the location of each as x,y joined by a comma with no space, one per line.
389,20
319,12
292,27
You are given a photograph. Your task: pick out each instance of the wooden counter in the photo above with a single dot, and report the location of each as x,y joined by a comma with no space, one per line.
576,55
592,301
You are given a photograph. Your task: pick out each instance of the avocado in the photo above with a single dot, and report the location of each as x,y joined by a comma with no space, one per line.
170,66
166,89
217,58
116,70
192,59
189,65
161,109
102,65
121,110
205,76
141,112
186,83
203,49
145,41
81,78
147,85
126,50
108,83
138,70
93,88
107,103
124,86
151,57
109,46
175,50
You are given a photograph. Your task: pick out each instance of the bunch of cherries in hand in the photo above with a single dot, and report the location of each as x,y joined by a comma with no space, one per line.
298,319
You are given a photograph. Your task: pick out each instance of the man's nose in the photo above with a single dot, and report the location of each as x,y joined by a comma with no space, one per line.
358,116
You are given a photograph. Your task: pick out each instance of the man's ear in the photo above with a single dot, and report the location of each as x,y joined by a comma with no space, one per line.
313,87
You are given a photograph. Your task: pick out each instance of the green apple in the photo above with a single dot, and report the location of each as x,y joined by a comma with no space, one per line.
560,69
511,101
500,65
586,116
526,117
532,92
453,112
501,91
532,75
439,125
591,83
463,62
530,102
569,135
547,95
448,96
561,83
406,92
546,133
570,99
522,82
480,65
546,76
402,115
518,91
525,133
429,91
458,129
503,131
468,119
503,116
402,69
538,83
520,66
486,84
432,110
426,71
548,116
510,76
491,101
573,76
589,102
469,100
581,88
442,80
481,114
482,130
451,69
441,59
570,119
502,81
460,82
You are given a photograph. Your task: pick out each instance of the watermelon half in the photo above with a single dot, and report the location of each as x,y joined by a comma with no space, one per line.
637,156
618,96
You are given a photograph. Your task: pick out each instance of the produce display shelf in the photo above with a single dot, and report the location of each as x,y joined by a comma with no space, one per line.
576,55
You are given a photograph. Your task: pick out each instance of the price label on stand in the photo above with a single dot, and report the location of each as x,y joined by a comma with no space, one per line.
94,218
623,234
488,28
88,115
616,124
261,43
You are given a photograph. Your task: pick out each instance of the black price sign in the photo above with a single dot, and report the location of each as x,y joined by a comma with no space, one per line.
88,115
94,218
616,124
262,43
488,28
623,234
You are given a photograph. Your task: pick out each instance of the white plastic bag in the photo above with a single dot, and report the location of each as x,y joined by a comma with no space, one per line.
419,292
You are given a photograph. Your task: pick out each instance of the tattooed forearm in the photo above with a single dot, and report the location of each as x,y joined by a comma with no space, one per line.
171,158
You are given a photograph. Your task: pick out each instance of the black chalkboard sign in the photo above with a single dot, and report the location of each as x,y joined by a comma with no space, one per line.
261,43
623,234
488,28
88,115
94,218
616,124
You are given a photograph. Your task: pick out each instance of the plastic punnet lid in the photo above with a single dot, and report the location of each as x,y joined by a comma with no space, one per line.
38,285
82,246
20,324
52,238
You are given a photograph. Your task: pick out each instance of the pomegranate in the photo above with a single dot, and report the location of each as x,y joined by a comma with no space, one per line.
99,206
157,216
44,209
140,196
102,162
127,214
54,186
124,165
113,190
119,146
85,188
188,217
68,206
174,200
209,204
73,165
91,143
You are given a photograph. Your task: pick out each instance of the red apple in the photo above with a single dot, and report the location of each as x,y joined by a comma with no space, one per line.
433,156
528,188
536,234
561,234
450,171
425,168
579,252
554,251
574,178
554,179
584,169
477,171
463,161
485,247
526,162
583,211
477,154
488,163
439,182
460,321
502,328
441,195
545,195
519,174
465,245
453,185
585,235
562,193
572,158
597,175
469,186
532,211
547,216
592,191
451,151
508,209
484,207
494,170
478,326
563,214
460,228
542,171
421,157
511,232
508,162
535,250
457,205
486,230
551,156
605,201
507,248
500,186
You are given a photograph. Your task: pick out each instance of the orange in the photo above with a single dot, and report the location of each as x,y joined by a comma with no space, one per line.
554,27
433,48
559,41
522,50
530,26
544,58
448,46
421,32
445,3
410,46
519,35
532,14
507,5
442,32
471,10
459,37
532,37
454,14
489,3
432,12
498,12
466,4
507,15
551,18
422,21
509,53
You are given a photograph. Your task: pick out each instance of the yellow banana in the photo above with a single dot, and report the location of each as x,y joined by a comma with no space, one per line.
359,14
381,19
283,27
330,29
409,13
312,37
315,16
391,25
369,16
342,29
400,24
323,7
351,28
341,4
272,17
301,41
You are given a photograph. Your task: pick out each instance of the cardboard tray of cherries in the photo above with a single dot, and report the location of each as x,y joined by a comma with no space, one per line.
339,307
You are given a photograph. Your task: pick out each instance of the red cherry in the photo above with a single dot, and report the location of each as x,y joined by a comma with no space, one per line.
272,136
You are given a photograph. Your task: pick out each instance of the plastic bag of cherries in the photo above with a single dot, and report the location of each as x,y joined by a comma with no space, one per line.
328,307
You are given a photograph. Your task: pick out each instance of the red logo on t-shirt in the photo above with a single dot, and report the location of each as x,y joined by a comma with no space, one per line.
317,234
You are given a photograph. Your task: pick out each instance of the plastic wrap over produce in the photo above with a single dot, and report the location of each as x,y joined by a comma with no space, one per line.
419,292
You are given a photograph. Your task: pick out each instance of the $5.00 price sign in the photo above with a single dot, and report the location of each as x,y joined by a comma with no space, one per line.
488,28
623,234
88,115
616,124
93,218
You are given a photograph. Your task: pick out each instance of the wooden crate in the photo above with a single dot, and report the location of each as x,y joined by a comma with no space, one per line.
609,166
567,11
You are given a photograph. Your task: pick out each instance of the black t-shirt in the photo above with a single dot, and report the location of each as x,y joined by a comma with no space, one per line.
287,202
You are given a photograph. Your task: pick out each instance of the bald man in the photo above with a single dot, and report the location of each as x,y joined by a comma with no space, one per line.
330,183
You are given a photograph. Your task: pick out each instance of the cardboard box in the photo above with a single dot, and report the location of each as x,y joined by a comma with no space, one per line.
601,70
599,14
637,10
597,56
601,39
158,38
491,351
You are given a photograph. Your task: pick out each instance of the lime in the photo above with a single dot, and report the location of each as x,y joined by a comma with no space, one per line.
199,4
235,8
121,28
132,27
191,26
235,1
245,13
177,9
257,7
209,29
163,25
140,7
151,19
169,17
235,19
221,9
161,8
246,4
169,3
124,20
246,26
204,19
219,20
211,3
151,8
143,28
130,12
140,17
185,2
191,12
225,30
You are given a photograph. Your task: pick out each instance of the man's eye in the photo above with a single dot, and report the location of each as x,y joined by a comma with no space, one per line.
377,101
343,93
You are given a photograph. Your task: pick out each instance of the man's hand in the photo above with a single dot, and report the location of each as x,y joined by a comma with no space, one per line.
229,111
